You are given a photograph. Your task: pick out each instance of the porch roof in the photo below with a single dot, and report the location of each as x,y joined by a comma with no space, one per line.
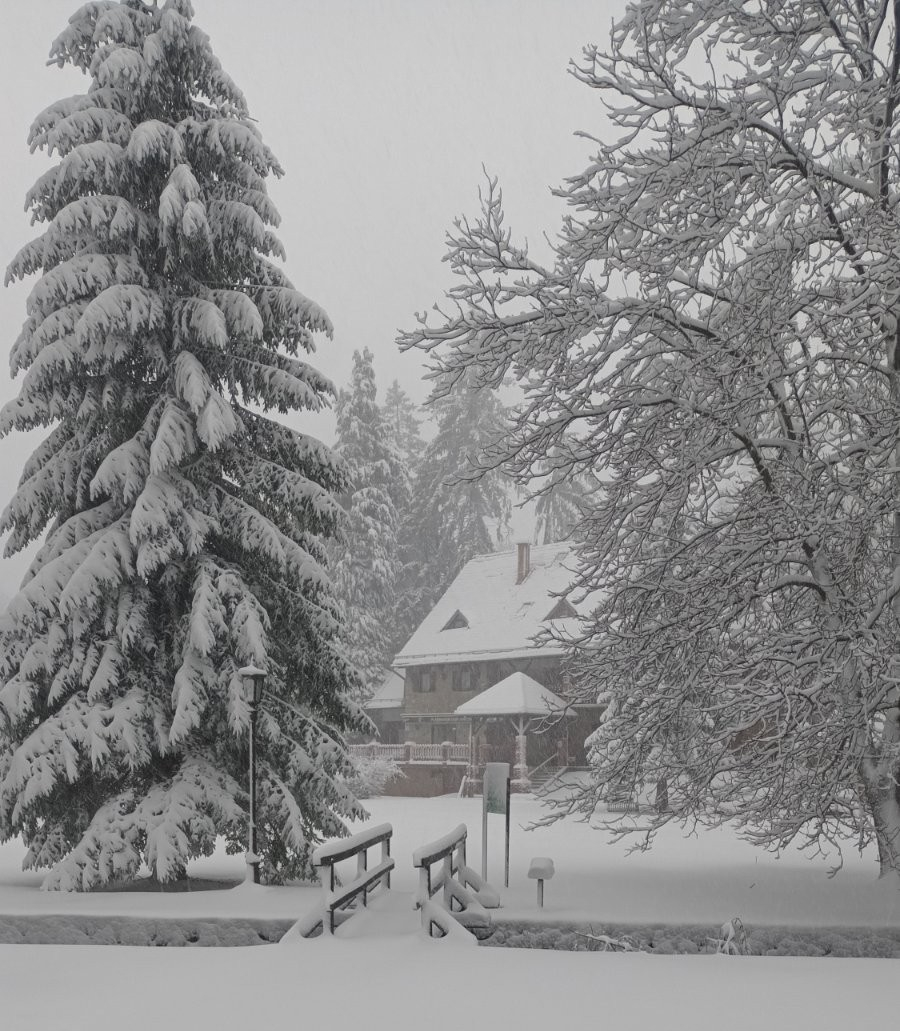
515,695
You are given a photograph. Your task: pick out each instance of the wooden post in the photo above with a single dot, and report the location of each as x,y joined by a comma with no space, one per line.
506,867
521,770
362,864
484,876
448,877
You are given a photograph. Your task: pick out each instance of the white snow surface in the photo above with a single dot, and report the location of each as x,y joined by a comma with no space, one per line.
380,972
503,616
515,695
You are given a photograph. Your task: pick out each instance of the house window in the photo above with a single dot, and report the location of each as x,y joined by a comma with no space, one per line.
425,679
462,678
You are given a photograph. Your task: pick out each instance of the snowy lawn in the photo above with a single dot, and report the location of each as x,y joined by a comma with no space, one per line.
381,973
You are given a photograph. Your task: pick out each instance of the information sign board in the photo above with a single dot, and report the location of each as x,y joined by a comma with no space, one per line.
495,799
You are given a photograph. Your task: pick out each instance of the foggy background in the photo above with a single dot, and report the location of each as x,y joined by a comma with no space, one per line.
382,115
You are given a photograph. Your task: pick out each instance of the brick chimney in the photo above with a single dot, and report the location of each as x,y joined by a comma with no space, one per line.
524,561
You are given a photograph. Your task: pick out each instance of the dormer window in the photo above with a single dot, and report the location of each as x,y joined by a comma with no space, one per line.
562,610
456,622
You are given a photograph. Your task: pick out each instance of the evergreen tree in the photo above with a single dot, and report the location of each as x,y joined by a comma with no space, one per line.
186,530
404,429
403,425
460,503
366,575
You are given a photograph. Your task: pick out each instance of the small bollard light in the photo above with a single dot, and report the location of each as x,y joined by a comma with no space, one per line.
541,870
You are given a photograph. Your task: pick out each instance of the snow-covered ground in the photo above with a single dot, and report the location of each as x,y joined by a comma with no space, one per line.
380,972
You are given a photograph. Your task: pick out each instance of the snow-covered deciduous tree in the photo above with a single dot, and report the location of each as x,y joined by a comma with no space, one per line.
717,341
368,569
560,498
185,531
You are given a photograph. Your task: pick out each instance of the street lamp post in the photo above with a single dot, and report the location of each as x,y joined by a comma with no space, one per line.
254,684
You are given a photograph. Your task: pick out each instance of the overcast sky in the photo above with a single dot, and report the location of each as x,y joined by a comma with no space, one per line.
382,113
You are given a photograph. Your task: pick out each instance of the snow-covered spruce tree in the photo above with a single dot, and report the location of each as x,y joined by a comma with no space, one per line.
367,569
186,530
458,504
717,340
403,425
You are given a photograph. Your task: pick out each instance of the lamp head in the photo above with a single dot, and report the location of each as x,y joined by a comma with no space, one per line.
254,683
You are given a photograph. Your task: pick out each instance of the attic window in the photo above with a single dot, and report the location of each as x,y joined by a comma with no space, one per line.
456,622
561,610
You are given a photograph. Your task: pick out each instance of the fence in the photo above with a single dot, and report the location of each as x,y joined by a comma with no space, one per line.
446,753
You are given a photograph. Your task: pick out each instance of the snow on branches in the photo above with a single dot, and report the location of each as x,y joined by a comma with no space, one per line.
716,343
184,531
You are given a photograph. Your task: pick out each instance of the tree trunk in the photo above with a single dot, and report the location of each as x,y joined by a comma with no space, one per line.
887,829
662,795
884,807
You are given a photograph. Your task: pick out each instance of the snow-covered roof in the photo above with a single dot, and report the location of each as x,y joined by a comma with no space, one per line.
389,694
502,616
515,695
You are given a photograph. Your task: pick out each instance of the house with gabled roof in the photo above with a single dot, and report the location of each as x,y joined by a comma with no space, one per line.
479,684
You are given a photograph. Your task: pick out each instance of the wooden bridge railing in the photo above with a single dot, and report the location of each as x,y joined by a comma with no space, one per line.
339,896
465,896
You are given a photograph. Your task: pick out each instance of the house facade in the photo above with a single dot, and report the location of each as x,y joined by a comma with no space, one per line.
481,631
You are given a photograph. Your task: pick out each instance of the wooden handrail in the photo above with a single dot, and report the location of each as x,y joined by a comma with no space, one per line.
342,896
435,850
326,857
465,895
344,848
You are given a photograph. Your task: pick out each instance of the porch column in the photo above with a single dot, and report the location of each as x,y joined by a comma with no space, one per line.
470,766
520,770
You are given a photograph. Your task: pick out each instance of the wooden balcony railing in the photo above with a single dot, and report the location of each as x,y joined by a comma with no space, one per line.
446,753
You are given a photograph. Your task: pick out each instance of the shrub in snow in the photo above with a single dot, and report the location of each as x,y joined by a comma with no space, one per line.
185,529
695,940
732,940
141,931
371,776
608,943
